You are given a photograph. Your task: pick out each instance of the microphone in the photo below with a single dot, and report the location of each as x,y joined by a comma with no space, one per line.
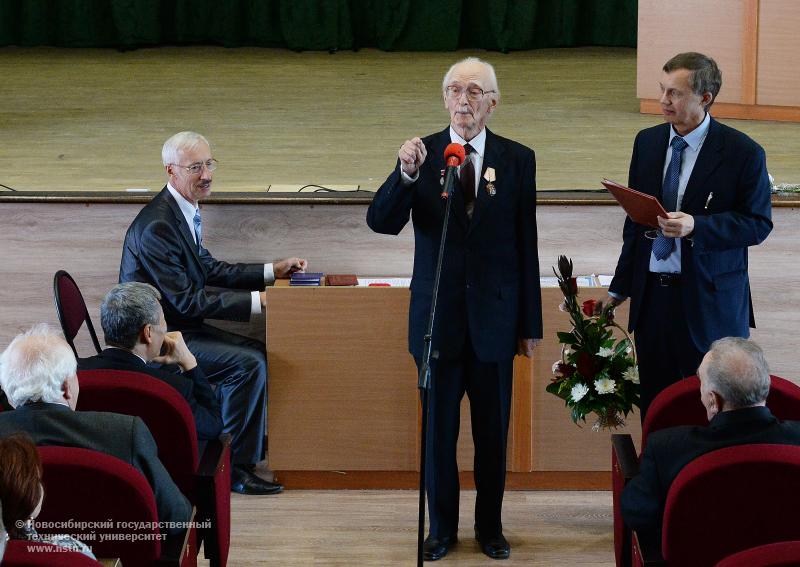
454,156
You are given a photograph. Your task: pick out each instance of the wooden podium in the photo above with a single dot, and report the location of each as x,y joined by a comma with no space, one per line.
343,408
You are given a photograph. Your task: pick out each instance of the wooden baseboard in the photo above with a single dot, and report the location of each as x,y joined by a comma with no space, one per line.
409,480
733,110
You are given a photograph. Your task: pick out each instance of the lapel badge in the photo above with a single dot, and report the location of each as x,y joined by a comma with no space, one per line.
489,176
441,178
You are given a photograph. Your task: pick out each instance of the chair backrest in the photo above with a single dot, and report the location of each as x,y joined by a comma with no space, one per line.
103,497
21,553
782,554
165,412
679,404
709,515
71,309
784,399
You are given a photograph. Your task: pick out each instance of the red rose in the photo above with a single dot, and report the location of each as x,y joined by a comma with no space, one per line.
588,307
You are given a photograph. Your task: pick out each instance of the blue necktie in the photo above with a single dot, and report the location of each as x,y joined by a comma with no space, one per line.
198,229
663,246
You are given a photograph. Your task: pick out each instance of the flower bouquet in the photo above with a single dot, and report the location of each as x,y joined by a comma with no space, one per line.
596,373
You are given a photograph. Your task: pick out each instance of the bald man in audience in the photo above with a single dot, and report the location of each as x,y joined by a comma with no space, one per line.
734,384
38,374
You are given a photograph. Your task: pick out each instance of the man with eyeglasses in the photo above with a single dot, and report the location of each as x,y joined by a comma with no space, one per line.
688,281
164,247
489,304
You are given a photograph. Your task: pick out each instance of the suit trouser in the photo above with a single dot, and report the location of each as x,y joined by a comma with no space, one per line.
665,349
488,386
237,366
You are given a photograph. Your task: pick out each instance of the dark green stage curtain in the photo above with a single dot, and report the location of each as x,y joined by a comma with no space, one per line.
392,25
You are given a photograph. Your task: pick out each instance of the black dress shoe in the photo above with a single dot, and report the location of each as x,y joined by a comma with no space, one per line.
496,547
244,481
435,548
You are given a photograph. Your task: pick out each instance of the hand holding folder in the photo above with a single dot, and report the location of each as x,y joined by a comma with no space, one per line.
641,207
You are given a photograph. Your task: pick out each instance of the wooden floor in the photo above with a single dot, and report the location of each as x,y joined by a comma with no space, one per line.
95,119
378,528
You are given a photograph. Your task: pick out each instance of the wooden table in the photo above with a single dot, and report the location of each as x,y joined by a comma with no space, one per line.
343,406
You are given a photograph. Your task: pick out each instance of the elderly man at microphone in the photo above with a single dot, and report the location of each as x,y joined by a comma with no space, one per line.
489,304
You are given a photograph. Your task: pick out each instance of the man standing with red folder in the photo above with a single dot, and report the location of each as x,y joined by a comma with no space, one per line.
688,281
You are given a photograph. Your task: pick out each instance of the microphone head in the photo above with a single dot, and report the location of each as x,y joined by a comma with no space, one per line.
454,155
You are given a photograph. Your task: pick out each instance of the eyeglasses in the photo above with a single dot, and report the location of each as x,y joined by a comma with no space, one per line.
474,94
196,168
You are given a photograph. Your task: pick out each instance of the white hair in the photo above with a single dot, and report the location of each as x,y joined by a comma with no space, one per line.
173,147
35,366
491,77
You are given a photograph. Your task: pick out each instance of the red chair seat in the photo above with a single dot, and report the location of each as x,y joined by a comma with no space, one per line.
205,481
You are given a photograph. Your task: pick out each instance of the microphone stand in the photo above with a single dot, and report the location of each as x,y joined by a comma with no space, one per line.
424,382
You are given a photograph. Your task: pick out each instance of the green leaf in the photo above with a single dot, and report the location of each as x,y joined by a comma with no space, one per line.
567,338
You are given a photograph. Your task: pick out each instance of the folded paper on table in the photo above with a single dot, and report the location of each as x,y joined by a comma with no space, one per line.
641,207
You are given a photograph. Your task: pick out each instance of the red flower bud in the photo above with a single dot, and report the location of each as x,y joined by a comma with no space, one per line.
588,307
573,285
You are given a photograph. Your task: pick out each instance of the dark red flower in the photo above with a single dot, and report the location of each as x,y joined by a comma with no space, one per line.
573,285
587,365
589,307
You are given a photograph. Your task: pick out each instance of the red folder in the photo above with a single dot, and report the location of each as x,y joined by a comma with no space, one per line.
641,207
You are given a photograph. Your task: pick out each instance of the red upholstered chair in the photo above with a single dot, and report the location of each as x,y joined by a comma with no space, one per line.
20,553
71,309
782,554
679,404
206,480
93,496
707,517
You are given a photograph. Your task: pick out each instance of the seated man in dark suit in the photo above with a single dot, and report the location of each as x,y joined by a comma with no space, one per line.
164,247
136,333
734,384
38,374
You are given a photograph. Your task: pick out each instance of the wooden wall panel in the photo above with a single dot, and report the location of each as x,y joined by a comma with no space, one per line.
36,239
713,27
778,53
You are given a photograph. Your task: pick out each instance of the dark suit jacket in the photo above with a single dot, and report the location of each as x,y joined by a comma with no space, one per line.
160,250
490,277
669,450
192,385
121,436
714,284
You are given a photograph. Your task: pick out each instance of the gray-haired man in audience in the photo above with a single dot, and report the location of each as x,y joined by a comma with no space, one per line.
38,374
734,384
136,333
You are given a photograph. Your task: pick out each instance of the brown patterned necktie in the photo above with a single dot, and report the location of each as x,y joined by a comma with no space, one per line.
467,180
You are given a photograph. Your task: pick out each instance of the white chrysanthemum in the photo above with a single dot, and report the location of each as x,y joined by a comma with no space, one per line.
605,352
632,374
605,386
578,392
